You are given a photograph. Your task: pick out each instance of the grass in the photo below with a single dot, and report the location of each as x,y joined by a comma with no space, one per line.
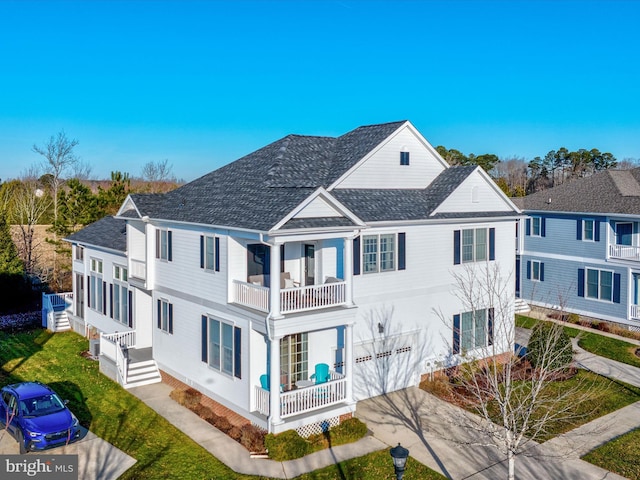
124,421
601,345
621,456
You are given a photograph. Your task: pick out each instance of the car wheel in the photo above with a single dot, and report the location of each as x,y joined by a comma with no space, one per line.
20,439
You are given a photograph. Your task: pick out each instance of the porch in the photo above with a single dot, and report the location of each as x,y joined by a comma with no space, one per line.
625,252
305,398
126,364
55,310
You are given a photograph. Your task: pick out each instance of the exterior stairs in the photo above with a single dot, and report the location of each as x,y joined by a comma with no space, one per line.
61,321
140,373
521,306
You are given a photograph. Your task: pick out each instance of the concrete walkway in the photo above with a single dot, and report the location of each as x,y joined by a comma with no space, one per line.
428,427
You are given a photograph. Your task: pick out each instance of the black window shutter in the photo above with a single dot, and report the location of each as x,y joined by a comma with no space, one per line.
216,244
541,272
402,256
104,298
527,226
490,326
171,318
130,309
159,314
237,352
492,244
456,334
201,251
543,227
282,258
616,288
581,282
88,291
169,246
204,340
579,229
528,269
157,243
111,300
596,228
356,256
456,247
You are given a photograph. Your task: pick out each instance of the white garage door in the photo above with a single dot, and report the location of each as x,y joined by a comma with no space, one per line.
384,365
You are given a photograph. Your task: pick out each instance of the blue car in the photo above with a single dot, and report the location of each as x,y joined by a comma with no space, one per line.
36,417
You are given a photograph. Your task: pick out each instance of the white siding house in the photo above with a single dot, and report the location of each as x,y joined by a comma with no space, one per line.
308,275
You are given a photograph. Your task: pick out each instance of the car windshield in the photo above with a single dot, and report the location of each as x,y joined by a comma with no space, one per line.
39,406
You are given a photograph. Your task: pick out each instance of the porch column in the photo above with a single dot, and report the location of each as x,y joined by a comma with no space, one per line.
348,270
274,287
274,383
348,360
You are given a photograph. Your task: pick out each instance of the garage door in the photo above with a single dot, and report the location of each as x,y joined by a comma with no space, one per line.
384,365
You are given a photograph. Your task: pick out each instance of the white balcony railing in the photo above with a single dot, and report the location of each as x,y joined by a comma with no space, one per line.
297,299
625,252
634,312
138,269
306,399
114,346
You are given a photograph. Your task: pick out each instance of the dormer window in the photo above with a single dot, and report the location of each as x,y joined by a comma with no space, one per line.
404,158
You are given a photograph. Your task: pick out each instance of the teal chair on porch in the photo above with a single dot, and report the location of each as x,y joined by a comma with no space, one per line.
265,382
322,373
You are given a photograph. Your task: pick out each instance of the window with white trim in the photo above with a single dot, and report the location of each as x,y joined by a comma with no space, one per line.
79,250
163,245
474,245
96,288
165,316
120,294
536,270
473,329
536,226
599,284
588,230
379,253
224,347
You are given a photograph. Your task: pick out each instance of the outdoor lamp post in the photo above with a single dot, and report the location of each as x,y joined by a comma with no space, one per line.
399,455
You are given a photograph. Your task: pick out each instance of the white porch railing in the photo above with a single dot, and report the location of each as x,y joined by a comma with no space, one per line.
297,299
114,345
634,312
626,252
52,302
138,269
306,399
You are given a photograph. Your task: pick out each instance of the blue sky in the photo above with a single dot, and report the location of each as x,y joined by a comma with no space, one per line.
202,83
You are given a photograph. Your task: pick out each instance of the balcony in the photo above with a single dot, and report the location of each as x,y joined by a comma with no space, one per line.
292,300
304,399
625,252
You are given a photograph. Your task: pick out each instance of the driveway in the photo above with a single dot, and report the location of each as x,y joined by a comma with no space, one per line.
97,459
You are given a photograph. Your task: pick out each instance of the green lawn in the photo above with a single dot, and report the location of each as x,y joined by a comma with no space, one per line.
121,419
621,456
601,345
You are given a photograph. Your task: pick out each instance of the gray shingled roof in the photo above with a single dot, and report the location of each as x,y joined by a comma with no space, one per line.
259,190
108,232
611,191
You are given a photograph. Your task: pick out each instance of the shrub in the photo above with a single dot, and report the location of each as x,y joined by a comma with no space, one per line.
188,398
235,433
549,347
287,445
573,318
252,438
348,431
438,386
222,424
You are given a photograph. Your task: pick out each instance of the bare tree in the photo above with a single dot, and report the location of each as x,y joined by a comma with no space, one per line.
159,171
59,159
511,409
29,205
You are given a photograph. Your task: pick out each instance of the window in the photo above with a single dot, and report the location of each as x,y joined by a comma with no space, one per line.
97,288
624,233
165,316
404,158
472,330
210,253
221,346
587,233
535,270
79,252
294,356
379,252
536,227
163,245
599,284
474,245
121,310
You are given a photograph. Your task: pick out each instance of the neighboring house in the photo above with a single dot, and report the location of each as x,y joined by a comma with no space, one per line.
309,253
579,247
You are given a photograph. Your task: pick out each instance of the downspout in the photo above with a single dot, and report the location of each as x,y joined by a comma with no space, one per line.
269,335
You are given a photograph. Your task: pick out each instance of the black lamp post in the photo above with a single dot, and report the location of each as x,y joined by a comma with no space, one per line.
399,455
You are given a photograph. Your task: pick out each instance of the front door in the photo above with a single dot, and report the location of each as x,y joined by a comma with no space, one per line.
624,233
309,264
294,356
